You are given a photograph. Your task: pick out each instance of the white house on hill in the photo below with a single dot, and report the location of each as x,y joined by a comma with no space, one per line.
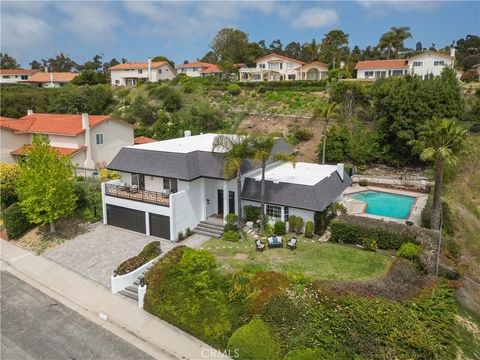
14,76
128,74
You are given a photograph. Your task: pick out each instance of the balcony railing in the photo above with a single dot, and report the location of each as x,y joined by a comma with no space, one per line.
152,197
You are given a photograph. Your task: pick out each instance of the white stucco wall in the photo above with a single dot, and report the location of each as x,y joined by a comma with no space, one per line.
73,142
428,64
191,71
13,79
164,72
9,142
388,72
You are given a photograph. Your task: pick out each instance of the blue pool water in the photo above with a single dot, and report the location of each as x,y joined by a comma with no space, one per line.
386,204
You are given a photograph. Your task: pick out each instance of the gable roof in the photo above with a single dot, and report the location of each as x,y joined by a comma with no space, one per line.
63,151
315,198
143,140
280,56
61,124
187,164
211,69
43,77
18,71
430,52
381,64
195,64
138,65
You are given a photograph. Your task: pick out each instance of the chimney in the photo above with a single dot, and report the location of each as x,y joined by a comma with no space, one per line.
149,68
187,133
88,164
46,69
29,112
51,77
341,170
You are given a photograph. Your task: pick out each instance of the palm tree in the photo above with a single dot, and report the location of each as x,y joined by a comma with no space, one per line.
262,146
394,39
237,149
326,113
440,141
387,42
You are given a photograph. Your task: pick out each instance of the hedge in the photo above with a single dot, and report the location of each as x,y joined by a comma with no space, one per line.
409,251
15,220
254,341
149,252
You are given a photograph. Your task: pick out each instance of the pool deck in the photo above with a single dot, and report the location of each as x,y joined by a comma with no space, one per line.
357,207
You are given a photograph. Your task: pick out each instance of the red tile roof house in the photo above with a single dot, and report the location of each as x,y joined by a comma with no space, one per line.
14,76
91,141
198,68
50,79
129,74
274,67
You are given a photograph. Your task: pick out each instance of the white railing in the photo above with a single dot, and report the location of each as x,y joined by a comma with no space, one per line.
120,282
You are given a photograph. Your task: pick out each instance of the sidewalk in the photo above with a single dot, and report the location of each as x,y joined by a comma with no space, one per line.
125,319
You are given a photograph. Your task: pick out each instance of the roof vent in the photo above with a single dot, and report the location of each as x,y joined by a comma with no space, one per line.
187,133
341,170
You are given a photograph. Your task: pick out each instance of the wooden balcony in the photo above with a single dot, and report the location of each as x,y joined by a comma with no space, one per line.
125,192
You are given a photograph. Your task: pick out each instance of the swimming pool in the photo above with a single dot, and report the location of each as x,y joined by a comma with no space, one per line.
386,204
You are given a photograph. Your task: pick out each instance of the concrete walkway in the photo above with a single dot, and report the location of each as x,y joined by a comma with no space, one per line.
95,302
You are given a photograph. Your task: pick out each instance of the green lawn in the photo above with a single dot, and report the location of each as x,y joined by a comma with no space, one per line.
316,260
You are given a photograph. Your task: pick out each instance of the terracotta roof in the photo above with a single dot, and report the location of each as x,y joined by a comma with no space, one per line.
381,64
138,65
43,77
62,150
280,56
194,64
437,53
143,140
211,69
18,71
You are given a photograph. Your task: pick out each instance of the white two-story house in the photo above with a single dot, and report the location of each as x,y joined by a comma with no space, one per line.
199,68
274,67
128,74
167,187
424,65
14,76
91,141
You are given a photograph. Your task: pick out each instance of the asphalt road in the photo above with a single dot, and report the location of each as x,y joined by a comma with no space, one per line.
36,327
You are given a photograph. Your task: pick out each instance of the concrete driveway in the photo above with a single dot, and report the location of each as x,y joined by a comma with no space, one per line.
98,252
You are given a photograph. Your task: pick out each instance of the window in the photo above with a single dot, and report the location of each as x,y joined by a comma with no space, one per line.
380,74
24,77
261,66
159,71
417,63
140,71
257,77
285,213
397,72
117,82
291,77
288,65
6,76
438,63
274,211
99,138
139,181
170,184
368,74
274,66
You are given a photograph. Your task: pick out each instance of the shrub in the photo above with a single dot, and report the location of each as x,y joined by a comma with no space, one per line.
231,218
298,224
309,229
409,251
15,221
302,134
8,177
232,236
279,227
254,341
363,182
106,175
180,236
308,354
292,220
251,213
233,89
188,232
369,244
230,227
148,253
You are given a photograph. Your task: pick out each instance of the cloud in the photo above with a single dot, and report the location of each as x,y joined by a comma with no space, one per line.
387,6
315,18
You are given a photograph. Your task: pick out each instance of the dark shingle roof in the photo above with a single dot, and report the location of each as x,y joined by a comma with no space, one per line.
184,166
315,198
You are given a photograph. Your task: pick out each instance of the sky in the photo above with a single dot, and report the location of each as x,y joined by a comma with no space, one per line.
183,30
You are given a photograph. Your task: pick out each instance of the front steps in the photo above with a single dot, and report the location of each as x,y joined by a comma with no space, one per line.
209,228
132,290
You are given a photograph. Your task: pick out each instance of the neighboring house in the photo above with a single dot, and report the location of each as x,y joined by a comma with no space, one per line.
128,74
50,79
167,187
14,76
198,68
91,141
423,64
143,140
275,67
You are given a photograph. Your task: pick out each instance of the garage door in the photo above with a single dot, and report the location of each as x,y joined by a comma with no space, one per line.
160,226
126,218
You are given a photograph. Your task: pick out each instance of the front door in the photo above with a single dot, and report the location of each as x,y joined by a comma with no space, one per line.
219,201
231,202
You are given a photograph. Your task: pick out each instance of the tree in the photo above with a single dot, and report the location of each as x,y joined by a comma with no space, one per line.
293,50
334,46
418,47
401,34
8,62
276,47
310,51
327,113
440,141
236,150
107,65
95,64
35,64
164,58
89,77
209,57
45,186
470,45
394,39
8,177
387,42
230,44
61,63
262,147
